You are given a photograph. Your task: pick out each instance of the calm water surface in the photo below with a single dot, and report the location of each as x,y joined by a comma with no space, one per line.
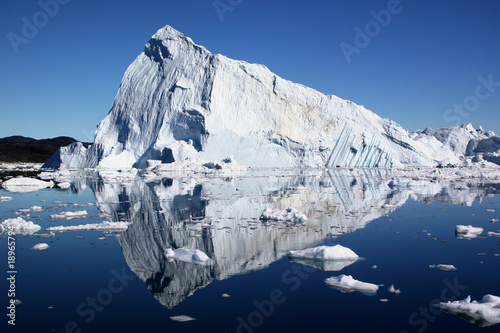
93,281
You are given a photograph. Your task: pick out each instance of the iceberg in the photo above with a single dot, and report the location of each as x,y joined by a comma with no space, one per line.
69,215
187,255
40,246
288,214
177,101
346,283
19,226
485,312
104,226
182,318
467,231
443,267
337,252
24,184
5,198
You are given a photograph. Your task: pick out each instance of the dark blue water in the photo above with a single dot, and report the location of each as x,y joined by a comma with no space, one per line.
124,284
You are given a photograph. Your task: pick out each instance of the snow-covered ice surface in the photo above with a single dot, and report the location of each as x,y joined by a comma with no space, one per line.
485,312
5,198
187,255
104,226
346,283
19,226
24,184
69,215
467,231
443,267
336,252
289,214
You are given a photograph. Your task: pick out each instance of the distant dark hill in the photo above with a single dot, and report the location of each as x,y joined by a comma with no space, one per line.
22,149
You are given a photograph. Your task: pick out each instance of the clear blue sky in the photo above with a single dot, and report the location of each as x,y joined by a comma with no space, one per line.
63,78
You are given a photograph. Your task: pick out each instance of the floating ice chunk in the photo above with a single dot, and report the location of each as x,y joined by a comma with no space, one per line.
105,226
24,184
492,233
467,231
187,255
5,198
288,214
69,215
19,226
346,283
226,295
40,246
394,290
443,267
182,318
324,253
485,312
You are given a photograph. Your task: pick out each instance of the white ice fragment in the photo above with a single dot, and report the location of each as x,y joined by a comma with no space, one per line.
187,255
69,215
5,198
182,318
105,226
443,267
19,226
226,295
346,283
40,246
485,312
467,231
394,290
491,233
24,184
337,252
288,214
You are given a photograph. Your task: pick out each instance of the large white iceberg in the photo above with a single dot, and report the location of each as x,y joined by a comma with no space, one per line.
178,101
187,255
288,214
336,252
485,312
24,184
19,226
346,283
104,226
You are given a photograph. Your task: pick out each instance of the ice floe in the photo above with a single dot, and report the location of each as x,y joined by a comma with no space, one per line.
5,198
40,246
288,214
492,233
69,215
336,252
19,226
104,226
346,283
443,267
24,184
485,312
467,231
182,318
187,255
393,290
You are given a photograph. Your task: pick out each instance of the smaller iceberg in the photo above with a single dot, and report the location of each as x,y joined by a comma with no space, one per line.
485,312
40,246
104,226
347,284
327,258
443,267
187,255
24,184
19,226
289,215
467,231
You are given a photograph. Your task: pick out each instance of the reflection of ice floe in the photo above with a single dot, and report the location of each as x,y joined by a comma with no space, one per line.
19,226
289,214
104,226
24,184
467,231
346,283
324,253
325,265
485,312
187,255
